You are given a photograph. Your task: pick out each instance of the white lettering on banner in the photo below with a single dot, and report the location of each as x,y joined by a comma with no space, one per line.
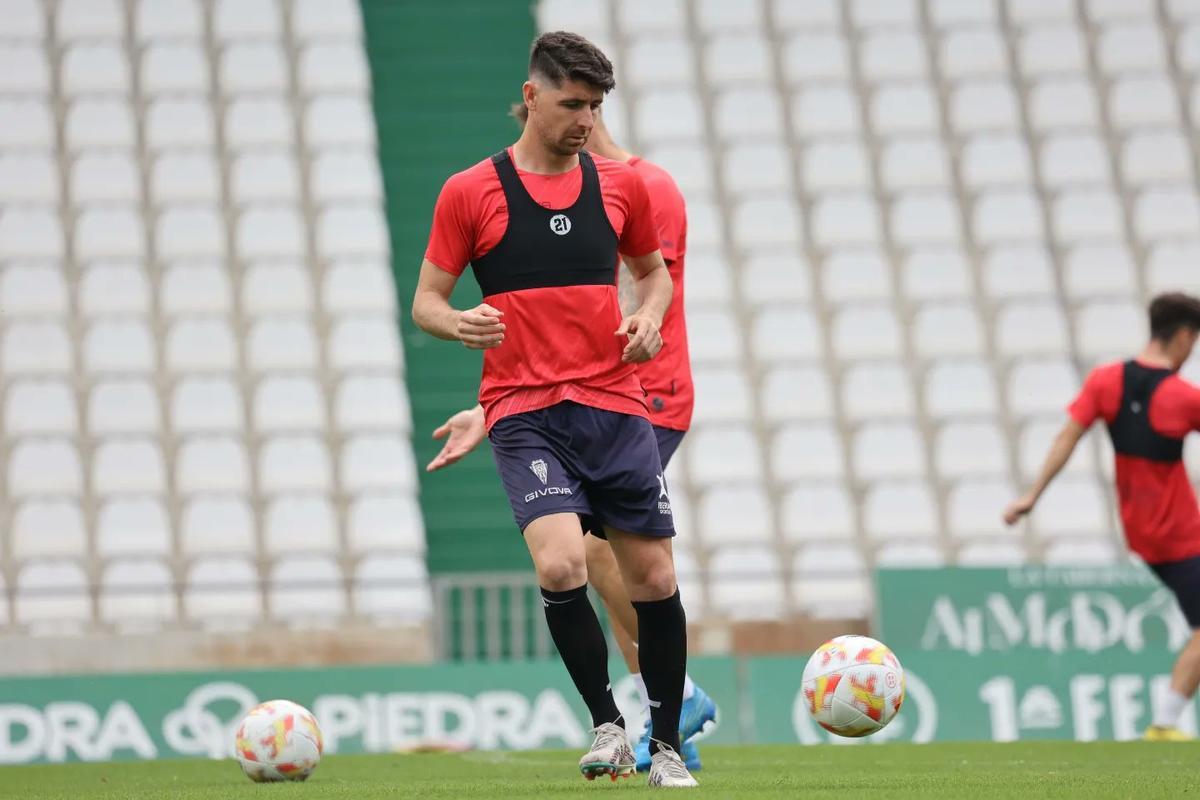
1089,621
1125,704
122,729
195,730
340,716
501,715
919,701
552,718
71,729
490,720
15,717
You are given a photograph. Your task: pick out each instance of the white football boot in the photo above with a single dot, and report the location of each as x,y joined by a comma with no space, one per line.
667,770
611,754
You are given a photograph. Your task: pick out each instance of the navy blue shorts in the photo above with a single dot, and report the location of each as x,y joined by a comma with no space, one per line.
1183,578
668,442
599,464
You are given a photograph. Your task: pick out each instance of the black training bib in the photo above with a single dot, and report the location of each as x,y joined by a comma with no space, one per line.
544,247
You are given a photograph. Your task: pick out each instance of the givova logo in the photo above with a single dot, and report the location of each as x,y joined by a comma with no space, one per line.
916,722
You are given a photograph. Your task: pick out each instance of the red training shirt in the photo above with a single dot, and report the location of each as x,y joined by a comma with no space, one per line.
667,378
1158,505
539,363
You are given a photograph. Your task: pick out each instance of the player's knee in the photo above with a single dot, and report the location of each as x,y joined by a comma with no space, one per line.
559,574
657,581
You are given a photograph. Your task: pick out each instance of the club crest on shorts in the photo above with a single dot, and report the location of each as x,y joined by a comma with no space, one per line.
539,468
560,224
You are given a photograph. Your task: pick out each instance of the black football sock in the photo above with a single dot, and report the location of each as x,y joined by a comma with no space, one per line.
581,645
662,652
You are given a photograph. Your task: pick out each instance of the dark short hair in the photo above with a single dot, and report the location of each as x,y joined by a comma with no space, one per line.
1171,311
560,56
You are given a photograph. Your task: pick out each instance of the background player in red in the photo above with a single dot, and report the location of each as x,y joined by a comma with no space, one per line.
667,380
1149,410
542,224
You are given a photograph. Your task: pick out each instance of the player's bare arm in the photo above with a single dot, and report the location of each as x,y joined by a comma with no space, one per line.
653,286
478,328
1060,453
463,432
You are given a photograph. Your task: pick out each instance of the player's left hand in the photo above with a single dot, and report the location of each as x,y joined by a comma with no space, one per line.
463,431
645,340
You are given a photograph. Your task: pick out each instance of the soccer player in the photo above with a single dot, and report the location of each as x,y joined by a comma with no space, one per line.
667,380
541,223
1149,410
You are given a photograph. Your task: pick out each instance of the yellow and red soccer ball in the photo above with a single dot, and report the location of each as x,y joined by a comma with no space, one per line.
853,686
278,741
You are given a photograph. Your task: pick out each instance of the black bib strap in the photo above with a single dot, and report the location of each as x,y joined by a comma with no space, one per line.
1131,432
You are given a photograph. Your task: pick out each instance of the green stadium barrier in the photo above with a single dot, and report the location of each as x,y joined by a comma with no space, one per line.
1028,653
443,77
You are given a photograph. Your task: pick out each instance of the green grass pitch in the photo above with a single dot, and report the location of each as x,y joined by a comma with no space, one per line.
972,771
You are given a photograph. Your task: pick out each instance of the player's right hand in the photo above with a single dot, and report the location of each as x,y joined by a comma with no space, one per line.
480,328
463,432
1018,508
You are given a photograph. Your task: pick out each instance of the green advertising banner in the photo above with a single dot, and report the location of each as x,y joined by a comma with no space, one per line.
1004,655
488,706
1030,652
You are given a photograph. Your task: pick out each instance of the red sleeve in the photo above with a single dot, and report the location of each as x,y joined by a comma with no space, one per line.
1085,409
639,237
452,235
1193,406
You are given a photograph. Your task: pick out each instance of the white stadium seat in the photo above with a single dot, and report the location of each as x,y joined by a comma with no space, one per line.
294,463
392,589
795,392
48,528
306,591
52,597
235,19
138,594
877,391
29,291
367,286
28,177
973,508
129,466
94,68
217,525
361,342
34,408
133,527
223,593
123,407
212,465
375,462
254,66
900,511
196,288
798,453
185,176
105,177
35,348
819,512
746,583
201,344
119,346
300,523
314,19
366,402
276,288
282,343
722,454
114,289
385,522
168,19
885,451
207,405
288,403
44,467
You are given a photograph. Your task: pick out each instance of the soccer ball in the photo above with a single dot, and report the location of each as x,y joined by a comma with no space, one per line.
853,686
278,741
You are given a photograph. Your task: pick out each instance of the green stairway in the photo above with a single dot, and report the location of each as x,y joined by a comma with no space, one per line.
445,73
